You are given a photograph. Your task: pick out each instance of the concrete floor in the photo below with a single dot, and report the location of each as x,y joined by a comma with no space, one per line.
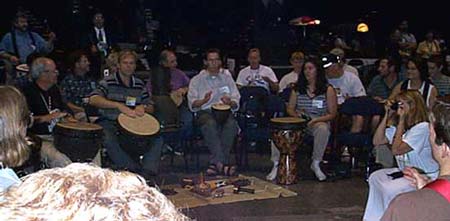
341,199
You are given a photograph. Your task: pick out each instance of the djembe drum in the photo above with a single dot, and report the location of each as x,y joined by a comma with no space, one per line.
80,141
221,112
287,135
135,134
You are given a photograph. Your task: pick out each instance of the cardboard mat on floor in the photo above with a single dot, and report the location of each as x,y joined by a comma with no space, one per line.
263,190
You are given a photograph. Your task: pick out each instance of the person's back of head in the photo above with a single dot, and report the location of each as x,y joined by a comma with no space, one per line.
14,119
85,192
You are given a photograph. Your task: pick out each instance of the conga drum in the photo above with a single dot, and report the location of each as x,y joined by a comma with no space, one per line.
287,135
135,134
80,141
221,112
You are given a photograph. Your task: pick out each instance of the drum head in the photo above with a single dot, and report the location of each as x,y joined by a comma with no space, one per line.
219,106
288,120
287,123
79,126
143,126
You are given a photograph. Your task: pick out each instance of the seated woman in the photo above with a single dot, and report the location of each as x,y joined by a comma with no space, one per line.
14,150
430,201
410,145
417,79
314,98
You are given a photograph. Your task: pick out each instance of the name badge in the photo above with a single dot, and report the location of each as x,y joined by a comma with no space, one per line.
317,103
130,101
224,90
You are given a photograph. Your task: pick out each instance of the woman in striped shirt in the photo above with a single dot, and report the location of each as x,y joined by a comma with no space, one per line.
314,99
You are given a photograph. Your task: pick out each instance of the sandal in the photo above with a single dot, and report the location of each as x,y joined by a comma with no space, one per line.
212,170
230,170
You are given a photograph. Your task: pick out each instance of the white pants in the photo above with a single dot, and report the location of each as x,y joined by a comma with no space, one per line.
382,189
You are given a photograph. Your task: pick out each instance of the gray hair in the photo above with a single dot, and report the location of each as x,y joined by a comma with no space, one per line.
38,67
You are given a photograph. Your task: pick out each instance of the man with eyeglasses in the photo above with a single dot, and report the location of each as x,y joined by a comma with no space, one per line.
45,102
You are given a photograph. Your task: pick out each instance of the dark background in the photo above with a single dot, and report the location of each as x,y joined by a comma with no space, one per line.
233,25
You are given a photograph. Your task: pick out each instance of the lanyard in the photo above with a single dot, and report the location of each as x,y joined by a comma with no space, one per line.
49,104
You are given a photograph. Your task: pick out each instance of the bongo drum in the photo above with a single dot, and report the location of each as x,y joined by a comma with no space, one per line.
221,112
287,135
80,141
135,134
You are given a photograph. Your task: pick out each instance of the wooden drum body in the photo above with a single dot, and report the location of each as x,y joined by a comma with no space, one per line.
221,112
287,135
79,141
135,134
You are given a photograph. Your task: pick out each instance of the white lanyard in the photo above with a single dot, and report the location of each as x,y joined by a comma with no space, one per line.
49,104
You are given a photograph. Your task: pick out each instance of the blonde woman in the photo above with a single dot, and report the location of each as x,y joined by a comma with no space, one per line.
409,140
14,150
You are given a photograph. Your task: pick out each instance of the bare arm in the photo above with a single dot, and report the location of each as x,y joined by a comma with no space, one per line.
395,91
379,137
398,146
433,96
292,104
75,108
332,106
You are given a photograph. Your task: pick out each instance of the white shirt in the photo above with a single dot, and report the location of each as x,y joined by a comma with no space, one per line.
287,79
253,77
420,156
220,85
351,69
102,30
348,85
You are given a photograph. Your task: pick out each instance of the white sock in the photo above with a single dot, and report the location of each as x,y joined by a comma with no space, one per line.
273,173
317,171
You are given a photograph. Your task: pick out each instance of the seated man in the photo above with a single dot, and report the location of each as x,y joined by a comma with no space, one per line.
441,81
21,42
347,85
287,81
256,74
119,93
45,102
85,192
428,203
77,86
211,86
173,84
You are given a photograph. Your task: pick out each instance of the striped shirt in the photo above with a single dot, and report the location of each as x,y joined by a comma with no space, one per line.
313,107
378,87
442,84
113,89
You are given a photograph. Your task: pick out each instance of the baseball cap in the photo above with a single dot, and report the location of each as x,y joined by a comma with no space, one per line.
329,59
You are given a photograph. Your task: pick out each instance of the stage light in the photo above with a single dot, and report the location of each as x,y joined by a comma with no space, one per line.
362,27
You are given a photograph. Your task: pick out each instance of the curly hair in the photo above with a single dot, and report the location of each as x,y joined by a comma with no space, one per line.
82,191
14,118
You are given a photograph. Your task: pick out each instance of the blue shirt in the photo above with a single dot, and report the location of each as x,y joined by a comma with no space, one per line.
25,44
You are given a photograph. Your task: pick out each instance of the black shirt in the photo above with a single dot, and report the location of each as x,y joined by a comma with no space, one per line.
41,102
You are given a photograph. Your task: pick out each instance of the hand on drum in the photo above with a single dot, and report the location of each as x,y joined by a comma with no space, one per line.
126,110
226,100
140,110
55,115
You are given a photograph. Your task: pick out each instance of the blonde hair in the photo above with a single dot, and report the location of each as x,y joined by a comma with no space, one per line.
418,110
127,53
14,118
298,55
85,192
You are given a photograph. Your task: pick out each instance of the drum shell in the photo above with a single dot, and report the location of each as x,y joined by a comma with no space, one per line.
221,116
287,126
133,144
78,145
